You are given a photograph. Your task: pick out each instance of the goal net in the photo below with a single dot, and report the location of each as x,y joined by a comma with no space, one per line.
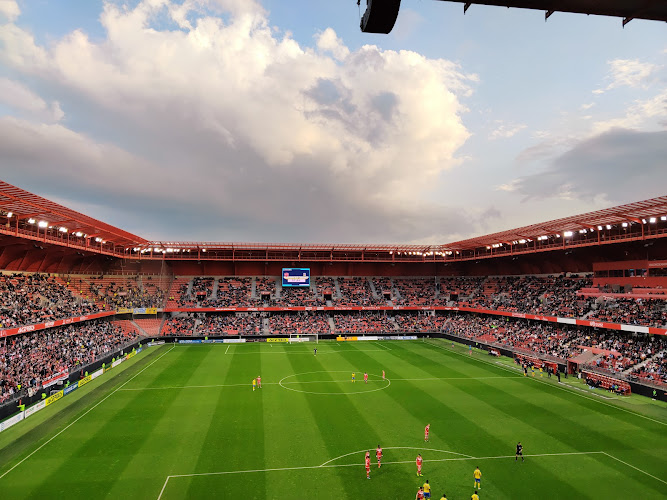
301,337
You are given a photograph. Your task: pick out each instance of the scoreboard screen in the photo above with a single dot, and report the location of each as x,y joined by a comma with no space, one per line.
296,276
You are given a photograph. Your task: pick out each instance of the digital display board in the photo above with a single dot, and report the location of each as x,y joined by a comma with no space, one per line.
296,276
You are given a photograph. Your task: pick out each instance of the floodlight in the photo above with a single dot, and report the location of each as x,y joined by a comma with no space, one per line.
664,217
31,221
43,223
582,231
9,215
652,220
203,249
98,239
63,229
600,228
608,226
567,234
522,241
79,234
643,221
625,224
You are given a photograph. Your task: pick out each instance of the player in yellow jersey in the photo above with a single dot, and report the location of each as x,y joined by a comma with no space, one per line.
474,496
352,376
254,383
444,497
478,478
427,490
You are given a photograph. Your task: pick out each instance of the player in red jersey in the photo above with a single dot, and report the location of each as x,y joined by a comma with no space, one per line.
420,493
419,465
365,377
382,374
368,465
426,431
259,382
378,454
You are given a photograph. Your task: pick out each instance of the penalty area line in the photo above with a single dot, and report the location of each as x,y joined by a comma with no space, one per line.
327,465
636,468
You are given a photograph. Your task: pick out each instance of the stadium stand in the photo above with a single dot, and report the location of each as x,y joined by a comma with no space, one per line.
301,323
363,322
231,324
32,358
182,325
26,299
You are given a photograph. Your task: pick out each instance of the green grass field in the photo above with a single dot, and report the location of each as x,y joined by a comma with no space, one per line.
183,422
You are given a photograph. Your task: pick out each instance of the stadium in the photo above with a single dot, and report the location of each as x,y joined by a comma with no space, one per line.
199,293
140,356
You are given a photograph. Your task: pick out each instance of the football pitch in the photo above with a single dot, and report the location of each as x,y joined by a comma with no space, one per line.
182,421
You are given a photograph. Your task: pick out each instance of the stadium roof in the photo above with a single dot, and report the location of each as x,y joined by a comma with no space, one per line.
637,213
25,205
632,221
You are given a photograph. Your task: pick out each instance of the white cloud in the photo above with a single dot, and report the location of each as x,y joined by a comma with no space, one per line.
640,114
9,10
329,41
628,73
506,130
17,96
246,109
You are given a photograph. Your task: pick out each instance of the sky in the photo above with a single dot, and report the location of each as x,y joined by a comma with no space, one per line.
279,121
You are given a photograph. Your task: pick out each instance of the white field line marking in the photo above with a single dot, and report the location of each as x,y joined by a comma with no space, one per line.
566,388
309,382
87,412
383,346
227,348
323,466
284,384
396,448
636,468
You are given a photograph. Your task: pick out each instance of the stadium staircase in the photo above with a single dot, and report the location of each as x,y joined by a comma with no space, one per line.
332,324
339,295
373,289
279,289
266,330
214,292
253,289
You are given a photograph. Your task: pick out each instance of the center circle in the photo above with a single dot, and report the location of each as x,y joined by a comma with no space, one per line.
372,386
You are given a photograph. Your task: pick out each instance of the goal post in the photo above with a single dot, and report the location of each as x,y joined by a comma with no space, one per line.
304,337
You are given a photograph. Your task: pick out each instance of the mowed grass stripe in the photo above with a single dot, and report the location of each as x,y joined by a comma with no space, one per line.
292,437
180,421
235,435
